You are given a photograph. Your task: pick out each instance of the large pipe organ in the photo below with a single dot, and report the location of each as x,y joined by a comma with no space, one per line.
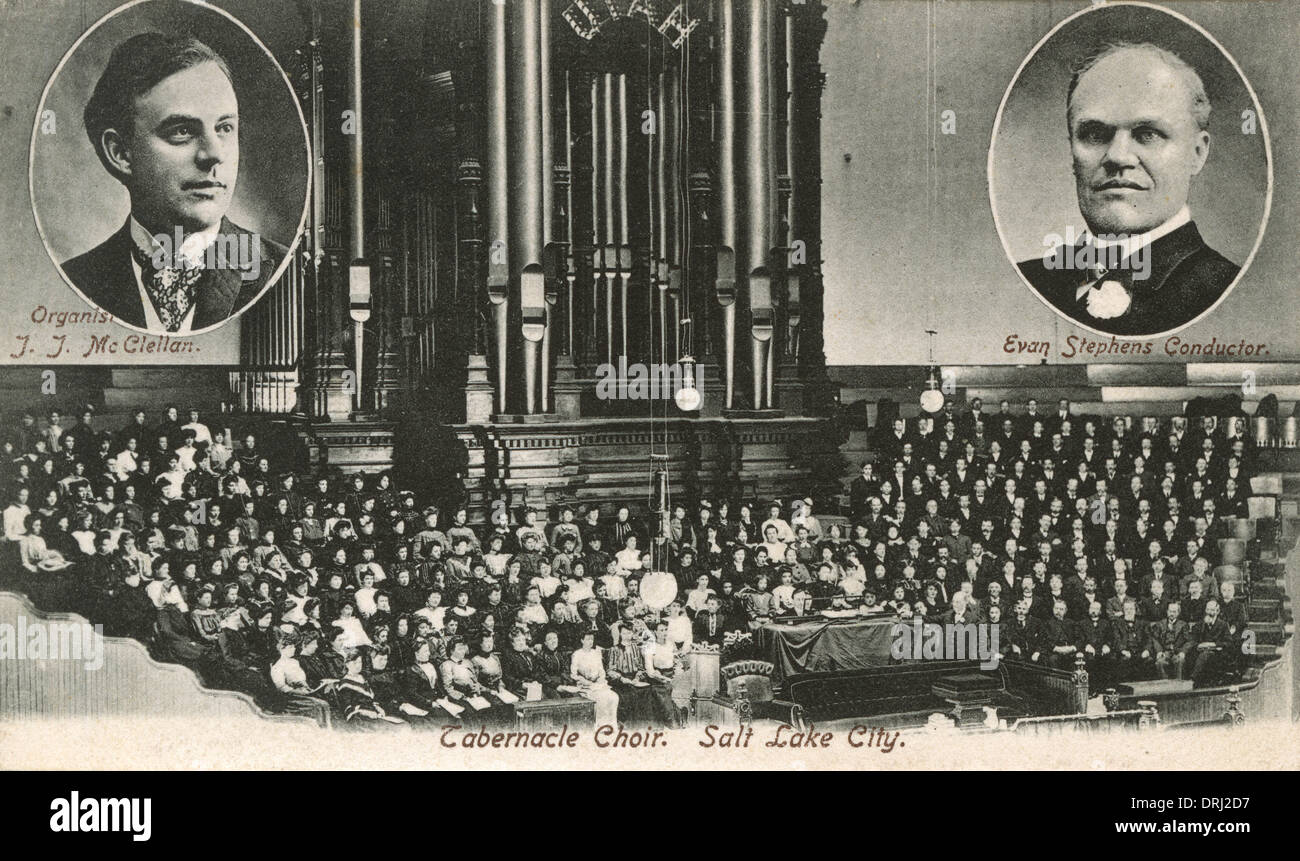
552,189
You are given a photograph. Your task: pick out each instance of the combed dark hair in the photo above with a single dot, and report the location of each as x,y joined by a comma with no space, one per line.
135,67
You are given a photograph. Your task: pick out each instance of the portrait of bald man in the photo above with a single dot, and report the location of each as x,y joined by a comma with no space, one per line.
164,122
1138,119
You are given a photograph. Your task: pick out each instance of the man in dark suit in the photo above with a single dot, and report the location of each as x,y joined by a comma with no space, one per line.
164,121
1138,118
861,489
1170,641
710,625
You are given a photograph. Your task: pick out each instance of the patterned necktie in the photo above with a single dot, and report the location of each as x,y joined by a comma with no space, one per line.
171,289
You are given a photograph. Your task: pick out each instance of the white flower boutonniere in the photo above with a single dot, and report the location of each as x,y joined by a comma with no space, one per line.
1108,301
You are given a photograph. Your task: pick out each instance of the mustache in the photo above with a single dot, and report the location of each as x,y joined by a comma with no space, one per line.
1119,183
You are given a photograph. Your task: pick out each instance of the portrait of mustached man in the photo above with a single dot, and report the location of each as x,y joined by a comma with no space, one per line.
1138,121
164,122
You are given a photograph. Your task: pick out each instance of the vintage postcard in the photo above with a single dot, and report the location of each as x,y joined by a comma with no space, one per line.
638,384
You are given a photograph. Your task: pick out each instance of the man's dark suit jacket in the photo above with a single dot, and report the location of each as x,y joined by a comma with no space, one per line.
105,277
1186,278
700,628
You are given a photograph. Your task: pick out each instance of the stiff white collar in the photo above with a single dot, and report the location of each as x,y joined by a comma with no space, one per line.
193,246
1129,244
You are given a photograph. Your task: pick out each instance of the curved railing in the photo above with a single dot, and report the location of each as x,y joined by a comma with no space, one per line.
114,677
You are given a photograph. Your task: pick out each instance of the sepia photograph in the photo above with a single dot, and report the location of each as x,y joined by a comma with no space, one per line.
899,386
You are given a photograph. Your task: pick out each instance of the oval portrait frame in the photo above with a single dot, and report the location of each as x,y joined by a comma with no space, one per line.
1102,8
291,246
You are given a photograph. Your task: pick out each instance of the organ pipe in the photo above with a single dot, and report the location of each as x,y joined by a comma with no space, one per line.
498,229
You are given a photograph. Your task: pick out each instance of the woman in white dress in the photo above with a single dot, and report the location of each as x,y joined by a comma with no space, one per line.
290,680
588,670
126,461
629,558
348,624
33,553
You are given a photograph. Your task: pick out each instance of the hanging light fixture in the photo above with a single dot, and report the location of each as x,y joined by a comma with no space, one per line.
932,398
688,395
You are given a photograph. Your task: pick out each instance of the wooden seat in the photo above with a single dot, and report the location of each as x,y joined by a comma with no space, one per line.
1269,484
1228,574
1262,507
1240,528
1232,550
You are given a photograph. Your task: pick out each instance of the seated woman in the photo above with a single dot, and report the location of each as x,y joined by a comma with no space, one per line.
588,672
261,639
697,598
563,613
552,662
757,601
384,680
680,632
355,698
581,587
487,663
33,553
545,581
290,679
351,626
460,678
521,670
419,690
402,643
175,635
532,611
206,621
661,656
641,699
589,622
465,614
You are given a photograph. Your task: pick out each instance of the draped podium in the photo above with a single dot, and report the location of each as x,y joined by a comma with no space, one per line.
822,646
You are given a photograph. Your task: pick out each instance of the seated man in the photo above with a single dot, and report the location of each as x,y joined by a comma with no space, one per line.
1233,612
1115,604
1058,643
1169,641
1023,633
1131,645
710,627
961,612
1152,608
1194,603
1094,641
1210,649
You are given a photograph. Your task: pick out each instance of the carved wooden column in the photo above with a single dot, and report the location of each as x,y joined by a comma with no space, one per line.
1079,679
